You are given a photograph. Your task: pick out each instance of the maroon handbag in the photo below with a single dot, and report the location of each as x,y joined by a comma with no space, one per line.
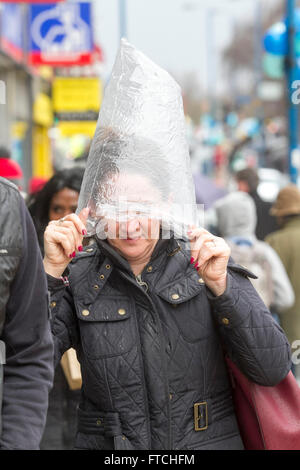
268,417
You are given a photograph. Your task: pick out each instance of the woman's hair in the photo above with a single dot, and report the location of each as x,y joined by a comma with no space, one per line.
39,203
132,154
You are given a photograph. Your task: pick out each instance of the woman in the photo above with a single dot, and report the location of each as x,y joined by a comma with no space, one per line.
58,197
149,318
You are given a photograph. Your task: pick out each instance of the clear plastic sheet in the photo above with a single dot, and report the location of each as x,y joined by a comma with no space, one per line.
139,165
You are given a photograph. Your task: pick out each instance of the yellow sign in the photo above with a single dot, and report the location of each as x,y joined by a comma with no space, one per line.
76,94
19,129
70,128
42,110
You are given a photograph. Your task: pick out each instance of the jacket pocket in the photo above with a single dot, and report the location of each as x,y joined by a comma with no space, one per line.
107,326
192,316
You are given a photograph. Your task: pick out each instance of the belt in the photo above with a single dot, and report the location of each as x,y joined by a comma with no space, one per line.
211,410
106,424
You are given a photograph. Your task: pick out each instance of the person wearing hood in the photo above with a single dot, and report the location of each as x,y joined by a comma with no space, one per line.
236,222
248,180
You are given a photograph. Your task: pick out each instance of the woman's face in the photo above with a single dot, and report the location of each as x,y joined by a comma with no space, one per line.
135,233
62,203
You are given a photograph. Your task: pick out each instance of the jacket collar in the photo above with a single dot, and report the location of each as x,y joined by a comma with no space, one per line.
294,222
162,246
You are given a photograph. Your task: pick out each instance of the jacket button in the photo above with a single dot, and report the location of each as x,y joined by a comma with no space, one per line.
175,296
225,321
85,313
101,276
149,269
96,286
121,311
107,266
98,422
53,304
200,280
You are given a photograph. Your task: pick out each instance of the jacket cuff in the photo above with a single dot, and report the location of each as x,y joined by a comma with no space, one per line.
230,309
57,283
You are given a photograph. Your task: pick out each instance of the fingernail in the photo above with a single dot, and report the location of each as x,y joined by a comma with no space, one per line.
73,254
80,248
192,260
84,232
196,265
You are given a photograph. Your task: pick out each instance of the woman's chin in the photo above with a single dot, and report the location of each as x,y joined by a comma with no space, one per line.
132,247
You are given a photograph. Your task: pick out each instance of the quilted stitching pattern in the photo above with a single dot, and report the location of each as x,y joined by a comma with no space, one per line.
152,366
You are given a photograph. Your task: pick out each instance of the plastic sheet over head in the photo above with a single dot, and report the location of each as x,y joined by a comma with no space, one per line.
138,167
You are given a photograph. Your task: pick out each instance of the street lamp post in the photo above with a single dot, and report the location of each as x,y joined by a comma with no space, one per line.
123,18
292,108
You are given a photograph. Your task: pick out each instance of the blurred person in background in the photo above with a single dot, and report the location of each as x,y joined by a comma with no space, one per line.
26,370
236,222
10,169
35,185
247,181
58,197
285,242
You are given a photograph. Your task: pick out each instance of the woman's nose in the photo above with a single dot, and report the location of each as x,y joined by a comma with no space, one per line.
133,226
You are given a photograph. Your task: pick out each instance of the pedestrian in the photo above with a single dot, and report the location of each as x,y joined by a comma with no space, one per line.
247,181
236,223
285,242
147,306
25,328
10,169
36,183
58,197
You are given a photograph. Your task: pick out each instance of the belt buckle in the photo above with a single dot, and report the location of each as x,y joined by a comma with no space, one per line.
200,416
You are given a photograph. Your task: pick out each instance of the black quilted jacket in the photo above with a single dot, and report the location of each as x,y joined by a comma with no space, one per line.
150,350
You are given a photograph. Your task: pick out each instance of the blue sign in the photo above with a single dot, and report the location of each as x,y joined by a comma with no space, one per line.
12,30
276,38
61,34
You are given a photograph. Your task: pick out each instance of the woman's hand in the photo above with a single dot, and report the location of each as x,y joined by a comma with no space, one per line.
62,238
209,255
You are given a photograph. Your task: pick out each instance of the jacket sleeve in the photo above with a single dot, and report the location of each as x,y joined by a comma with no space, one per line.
28,371
63,320
251,337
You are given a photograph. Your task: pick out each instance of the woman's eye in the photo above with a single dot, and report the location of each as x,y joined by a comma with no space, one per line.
57,209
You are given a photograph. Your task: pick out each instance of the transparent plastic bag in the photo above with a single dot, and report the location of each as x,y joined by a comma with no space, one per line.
139,164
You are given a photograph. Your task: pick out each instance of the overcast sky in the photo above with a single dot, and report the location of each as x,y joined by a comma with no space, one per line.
173,33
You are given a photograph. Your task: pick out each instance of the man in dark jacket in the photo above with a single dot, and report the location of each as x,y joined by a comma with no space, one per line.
24,326
247,181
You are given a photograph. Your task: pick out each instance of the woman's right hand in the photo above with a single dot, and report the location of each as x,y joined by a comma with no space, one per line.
62,239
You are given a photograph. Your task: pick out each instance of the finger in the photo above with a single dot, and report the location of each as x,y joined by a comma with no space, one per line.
70,231
194,232
70,228
61,239
209,252
78,222
83,216
202,238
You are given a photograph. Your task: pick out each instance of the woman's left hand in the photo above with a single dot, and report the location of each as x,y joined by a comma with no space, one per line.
210,255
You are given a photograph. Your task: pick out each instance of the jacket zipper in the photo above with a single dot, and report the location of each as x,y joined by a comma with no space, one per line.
145,288
141,283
